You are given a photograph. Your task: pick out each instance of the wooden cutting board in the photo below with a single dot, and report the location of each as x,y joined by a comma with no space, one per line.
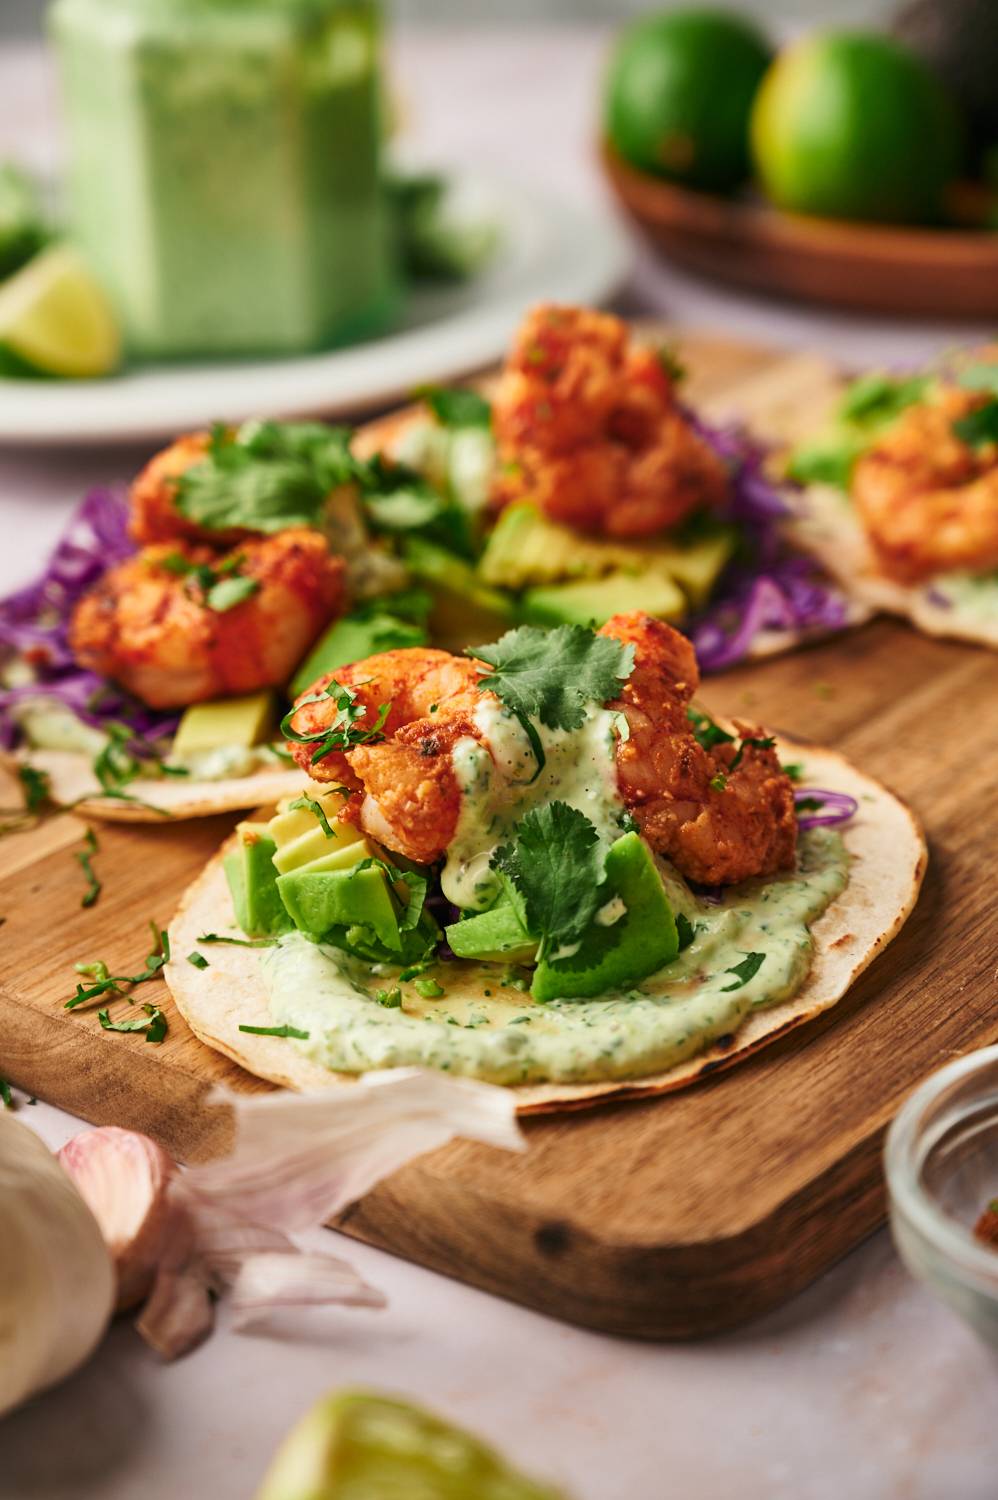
674,1217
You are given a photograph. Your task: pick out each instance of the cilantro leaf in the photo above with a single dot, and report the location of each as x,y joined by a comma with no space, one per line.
553,675
153,1027
706,733
106,983
265,476
877,398
316,809
301,1036
685,929
6,1097
84,857
556,864
198,960
456,406
37,787
746,970
980,426
215,937
228,592
825,463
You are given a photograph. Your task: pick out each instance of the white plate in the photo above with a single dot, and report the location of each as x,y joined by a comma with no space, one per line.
549,250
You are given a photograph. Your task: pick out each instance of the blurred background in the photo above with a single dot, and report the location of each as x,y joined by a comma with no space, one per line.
24,17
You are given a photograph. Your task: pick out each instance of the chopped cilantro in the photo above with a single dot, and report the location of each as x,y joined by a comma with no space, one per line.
980,426
746,970
456,406
877,398
153,1027
391,999
706,733
314,807
37,787
764,743
106,983
5,1094
825,463
197,959
809,804
553,675
718,783
84,858
215,937
342,733
685,929
226,593
671,363
301,1036
795,770
556,864
265,475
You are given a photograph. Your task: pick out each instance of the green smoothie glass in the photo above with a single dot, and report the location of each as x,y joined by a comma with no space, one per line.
224,170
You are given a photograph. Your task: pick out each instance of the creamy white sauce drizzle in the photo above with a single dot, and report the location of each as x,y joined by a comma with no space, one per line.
494,775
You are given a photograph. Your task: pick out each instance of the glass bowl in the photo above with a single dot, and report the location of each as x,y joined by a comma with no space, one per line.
941,1161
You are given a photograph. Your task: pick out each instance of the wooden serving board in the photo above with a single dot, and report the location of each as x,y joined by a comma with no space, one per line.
666,1218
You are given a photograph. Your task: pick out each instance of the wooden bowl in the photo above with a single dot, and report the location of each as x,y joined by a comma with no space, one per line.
949,273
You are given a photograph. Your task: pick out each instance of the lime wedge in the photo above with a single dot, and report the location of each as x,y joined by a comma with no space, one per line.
358,1445
55,317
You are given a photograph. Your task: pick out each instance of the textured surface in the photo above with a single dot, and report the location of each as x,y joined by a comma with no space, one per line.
663,1218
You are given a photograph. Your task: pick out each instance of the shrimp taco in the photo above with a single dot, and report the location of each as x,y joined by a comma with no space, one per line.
899,495
590,488
540,865
145,673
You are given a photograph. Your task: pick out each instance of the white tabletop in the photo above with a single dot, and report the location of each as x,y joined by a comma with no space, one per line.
863,1387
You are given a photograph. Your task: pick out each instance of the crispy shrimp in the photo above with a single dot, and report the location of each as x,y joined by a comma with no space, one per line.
153,497
149,624
721,815
588,428
928,499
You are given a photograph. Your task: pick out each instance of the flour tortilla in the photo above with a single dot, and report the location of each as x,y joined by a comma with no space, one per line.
889,857
72,778
794,404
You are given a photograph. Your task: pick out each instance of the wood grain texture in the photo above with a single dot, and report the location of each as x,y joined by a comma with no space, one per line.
669,1218
951,273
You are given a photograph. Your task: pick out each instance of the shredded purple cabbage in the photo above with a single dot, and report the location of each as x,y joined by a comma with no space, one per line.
765,587
840,807
34,626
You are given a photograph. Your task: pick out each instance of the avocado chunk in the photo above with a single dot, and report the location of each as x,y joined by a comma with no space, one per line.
494,935
351,639
624,948
593,601
290,821
526,549
252,879
320,902
465,610
313,844
239,722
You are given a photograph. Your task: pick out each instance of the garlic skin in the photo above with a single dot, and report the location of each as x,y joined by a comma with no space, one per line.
124,1178
57,1280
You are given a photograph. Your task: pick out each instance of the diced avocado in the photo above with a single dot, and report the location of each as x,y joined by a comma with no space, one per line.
319,902
526,549
249,869
340,857
313,845
290,821
465,610
623,949
498,934
592,601
240,722
353,638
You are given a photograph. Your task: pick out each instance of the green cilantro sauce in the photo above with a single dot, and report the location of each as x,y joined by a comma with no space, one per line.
485,1027
497,789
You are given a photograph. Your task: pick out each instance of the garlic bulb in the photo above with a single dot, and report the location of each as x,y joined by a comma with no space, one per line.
57,1282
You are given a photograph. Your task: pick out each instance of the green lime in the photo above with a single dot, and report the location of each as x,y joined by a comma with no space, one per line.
850,125
56,319
358,1445
679,93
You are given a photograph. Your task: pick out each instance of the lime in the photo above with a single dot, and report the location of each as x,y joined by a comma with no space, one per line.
357,1445
55,318
850,125
679,92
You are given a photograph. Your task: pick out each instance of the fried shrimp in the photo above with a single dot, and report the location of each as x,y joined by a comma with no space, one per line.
721,814
411,800
588,428
150,623
153,498
929,500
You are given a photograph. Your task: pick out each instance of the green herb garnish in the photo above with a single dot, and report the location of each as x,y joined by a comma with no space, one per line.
685,930
342,733
795,770
106,983
293,1031
746,970
314,807
553,676
556,863
456,406
6,1096
153,1027
718,783
215,937
706,733
84,858
391,999
980,426
429,989
197,959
